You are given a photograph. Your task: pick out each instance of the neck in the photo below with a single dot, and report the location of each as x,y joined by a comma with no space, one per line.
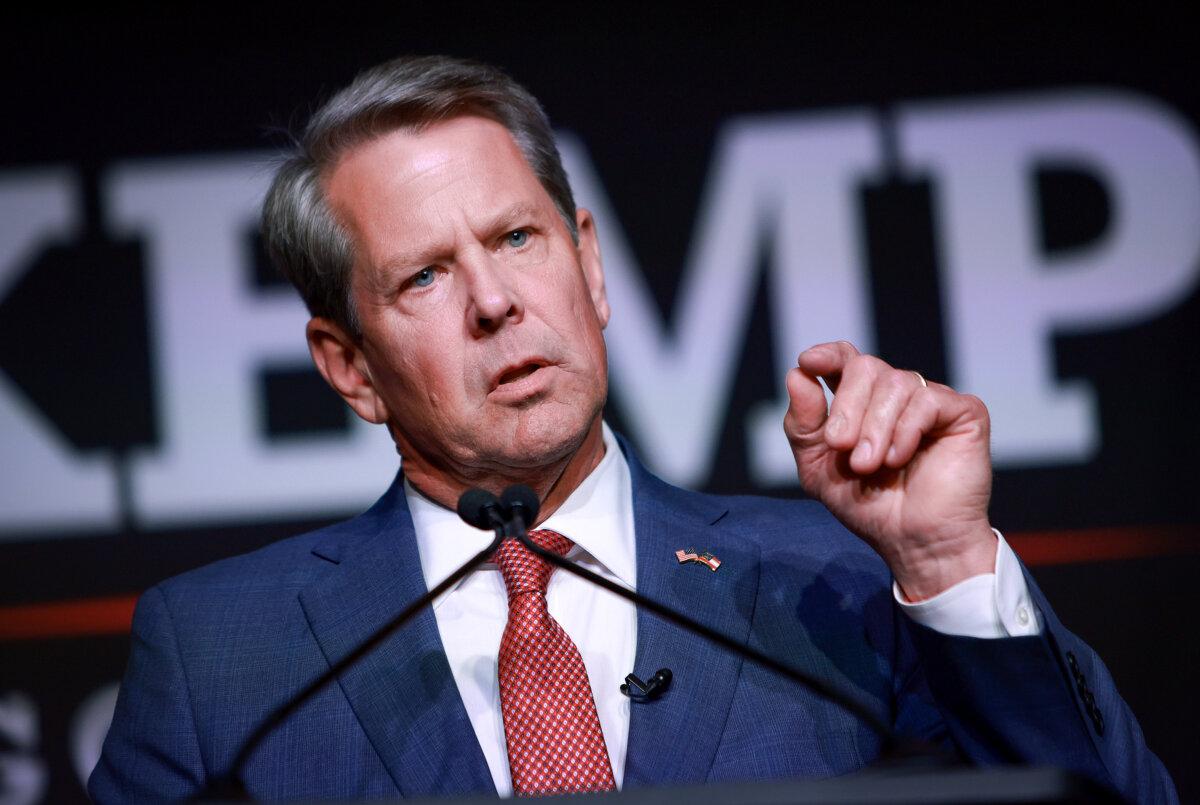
553,483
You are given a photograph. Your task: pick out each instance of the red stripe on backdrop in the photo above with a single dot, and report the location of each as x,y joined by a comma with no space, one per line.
87,616
1103,544
113,615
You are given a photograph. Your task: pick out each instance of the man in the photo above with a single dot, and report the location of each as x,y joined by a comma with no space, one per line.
458,299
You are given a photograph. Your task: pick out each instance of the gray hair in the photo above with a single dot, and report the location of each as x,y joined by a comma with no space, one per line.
307,243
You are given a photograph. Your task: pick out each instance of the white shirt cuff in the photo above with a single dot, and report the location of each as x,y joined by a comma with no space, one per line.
989,605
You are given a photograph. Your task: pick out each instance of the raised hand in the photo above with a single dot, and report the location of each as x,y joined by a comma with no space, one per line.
903,464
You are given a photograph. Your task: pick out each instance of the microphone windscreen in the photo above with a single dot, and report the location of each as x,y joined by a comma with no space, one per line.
473,507
526,498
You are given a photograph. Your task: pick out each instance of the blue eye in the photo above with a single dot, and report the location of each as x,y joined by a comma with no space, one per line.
424,277
518,238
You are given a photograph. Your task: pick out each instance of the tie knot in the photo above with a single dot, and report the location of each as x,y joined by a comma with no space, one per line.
522,569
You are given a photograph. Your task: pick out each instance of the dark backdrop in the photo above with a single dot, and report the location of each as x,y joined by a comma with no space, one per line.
1111,536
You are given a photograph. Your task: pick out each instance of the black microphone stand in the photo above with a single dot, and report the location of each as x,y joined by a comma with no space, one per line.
521,503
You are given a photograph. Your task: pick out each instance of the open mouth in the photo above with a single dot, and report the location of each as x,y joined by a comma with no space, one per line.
518,373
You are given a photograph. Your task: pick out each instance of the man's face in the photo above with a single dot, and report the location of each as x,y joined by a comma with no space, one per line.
481,320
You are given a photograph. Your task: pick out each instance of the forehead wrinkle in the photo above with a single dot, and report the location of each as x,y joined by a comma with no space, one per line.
435,241
368,169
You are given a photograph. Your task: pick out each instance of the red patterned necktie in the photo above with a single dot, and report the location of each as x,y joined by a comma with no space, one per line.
555,745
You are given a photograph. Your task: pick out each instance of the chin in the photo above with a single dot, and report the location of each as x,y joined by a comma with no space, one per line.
540,448
538,441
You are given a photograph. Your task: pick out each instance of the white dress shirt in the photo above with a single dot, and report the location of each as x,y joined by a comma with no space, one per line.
995,604
598,518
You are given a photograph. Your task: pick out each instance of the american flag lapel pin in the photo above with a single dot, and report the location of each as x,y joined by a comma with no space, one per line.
705,558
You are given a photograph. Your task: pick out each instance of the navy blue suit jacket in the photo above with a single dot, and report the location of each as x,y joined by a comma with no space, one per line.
216,649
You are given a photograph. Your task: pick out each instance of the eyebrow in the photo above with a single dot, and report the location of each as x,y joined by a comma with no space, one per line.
499,223
511,217
408,258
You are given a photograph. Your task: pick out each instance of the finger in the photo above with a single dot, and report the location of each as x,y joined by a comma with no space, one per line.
851,400
890,395
827,361
936,411
806,408
918,418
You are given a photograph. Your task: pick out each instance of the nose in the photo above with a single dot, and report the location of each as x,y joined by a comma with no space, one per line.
494,302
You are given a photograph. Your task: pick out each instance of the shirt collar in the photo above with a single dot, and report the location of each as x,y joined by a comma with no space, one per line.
597,517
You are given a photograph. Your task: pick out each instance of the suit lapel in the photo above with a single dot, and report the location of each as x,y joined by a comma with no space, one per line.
403,693
673,740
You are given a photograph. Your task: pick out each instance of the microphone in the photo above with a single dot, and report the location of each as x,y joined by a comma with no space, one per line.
640,691
521,506
480,508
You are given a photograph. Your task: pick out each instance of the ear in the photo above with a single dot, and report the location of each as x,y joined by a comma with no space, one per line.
593,268
341,361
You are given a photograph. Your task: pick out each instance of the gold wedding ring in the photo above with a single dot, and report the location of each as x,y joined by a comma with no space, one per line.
920,377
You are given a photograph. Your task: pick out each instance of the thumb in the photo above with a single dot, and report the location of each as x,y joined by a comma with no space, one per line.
807,411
